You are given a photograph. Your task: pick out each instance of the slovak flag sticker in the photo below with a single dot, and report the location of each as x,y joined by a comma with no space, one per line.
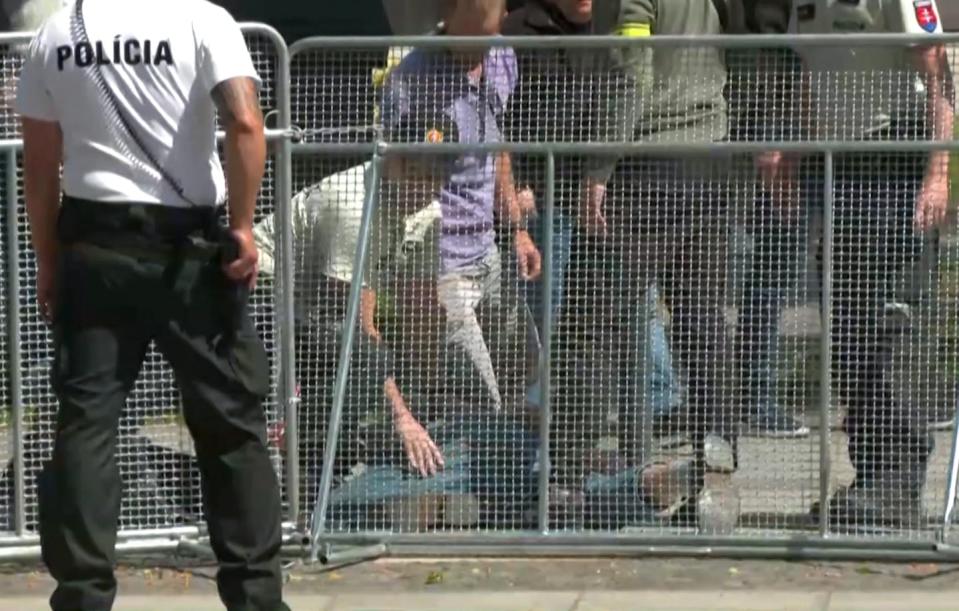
926,15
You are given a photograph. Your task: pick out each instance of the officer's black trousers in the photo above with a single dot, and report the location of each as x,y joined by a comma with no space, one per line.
111,304
875,309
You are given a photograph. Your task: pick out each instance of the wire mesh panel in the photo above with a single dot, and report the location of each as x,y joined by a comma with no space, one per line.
11,48
7,439
154,452
332,96
687,344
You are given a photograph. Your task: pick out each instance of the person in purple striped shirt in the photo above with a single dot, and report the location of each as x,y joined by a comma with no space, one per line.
470,87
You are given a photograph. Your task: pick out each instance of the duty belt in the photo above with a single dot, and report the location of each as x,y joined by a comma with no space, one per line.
146,231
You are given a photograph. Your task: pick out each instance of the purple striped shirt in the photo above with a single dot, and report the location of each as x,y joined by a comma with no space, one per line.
430,80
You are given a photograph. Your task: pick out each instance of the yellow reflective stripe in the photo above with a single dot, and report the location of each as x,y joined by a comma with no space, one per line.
634,30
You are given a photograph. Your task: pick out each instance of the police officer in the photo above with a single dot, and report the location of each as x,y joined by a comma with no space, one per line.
887,208
664,217
135,254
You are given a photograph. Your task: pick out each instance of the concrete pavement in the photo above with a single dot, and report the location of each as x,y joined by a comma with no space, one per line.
649,600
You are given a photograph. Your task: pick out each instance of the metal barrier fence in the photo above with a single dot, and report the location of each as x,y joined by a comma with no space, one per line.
669,384
669,387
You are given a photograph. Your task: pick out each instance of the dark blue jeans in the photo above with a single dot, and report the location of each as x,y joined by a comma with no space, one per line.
780,246
662,387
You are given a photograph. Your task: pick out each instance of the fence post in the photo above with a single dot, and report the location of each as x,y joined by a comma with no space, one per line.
284,287
952,484
825,364
370,204
546,356
14,366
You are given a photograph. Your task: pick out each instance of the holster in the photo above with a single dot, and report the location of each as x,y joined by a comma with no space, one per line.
167,235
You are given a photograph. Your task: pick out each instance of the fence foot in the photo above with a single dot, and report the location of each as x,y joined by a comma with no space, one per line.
194,549
353,555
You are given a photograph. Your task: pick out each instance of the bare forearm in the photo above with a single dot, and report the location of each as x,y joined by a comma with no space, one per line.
245,161
368,313
245,147
507,200
397,405
943,116
43,203
42,153
934,67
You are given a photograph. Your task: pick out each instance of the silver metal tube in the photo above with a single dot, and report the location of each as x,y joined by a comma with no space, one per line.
354,554
15,541
546,355
127,535
952,486
271,135
558,539
744,552
631,147
15,366
370,204
284,287
825,362
32,552
152,533
15,38
325,43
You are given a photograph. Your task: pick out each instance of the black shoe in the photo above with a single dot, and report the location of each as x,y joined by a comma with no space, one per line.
776,424
889,503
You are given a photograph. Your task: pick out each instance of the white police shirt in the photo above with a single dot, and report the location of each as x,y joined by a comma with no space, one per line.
864,90
161,60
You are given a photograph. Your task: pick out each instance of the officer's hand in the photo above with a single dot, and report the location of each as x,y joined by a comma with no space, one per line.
527,256
591,217
778,174
768,165
246,266
425,458
932,203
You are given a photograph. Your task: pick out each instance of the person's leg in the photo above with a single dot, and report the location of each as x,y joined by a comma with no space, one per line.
581,358
561,255
875,247
779,247
563,226
694,285
223,381
460,294
639,240
99,345
662,388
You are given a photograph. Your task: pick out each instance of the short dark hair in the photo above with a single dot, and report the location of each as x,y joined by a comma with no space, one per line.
423,125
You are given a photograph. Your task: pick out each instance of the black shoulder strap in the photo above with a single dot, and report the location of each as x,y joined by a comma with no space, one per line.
80,32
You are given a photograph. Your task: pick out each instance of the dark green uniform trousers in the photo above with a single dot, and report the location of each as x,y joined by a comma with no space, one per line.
126,278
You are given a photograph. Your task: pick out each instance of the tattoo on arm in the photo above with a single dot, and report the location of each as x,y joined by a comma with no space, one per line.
236,98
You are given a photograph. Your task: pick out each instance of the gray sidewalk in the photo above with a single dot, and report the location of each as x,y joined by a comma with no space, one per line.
755,600
614,584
